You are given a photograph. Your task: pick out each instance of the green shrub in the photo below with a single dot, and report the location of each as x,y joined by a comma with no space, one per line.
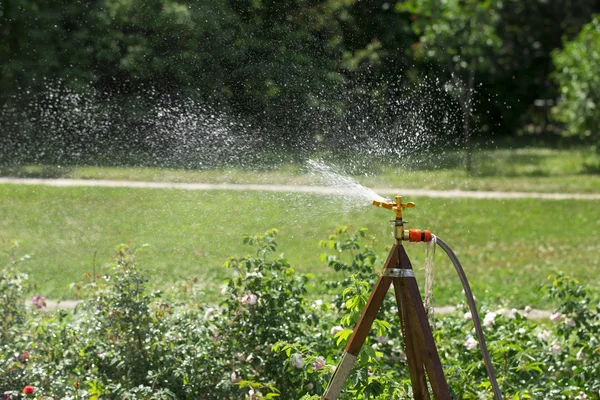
267,339
578,74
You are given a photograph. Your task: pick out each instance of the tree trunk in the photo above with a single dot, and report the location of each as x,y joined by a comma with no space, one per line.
467,137
465,94
466,109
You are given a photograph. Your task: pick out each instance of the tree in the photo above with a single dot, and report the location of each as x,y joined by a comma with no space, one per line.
578,74
460,36
518,93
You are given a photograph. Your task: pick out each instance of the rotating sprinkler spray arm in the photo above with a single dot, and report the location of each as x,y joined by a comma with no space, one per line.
417,235
412,235
397,207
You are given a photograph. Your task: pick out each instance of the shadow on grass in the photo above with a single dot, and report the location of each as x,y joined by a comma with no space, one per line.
487,163
513,165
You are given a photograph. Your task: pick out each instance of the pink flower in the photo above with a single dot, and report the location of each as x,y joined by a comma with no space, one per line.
467,315
235,378
544,335
336,329
249,299
318,363
555,317
296,360
582,396
240,357
556,349
470,343
489,319
398,356
39,302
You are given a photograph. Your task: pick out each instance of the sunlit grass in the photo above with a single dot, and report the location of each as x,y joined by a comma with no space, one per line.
507,247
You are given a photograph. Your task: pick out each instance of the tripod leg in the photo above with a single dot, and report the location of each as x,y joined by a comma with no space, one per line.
413,357
361,330
423,342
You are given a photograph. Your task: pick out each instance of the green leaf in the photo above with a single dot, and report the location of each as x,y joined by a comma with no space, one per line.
343,335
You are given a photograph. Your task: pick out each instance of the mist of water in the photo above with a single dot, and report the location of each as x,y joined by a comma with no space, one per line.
352,190
62,126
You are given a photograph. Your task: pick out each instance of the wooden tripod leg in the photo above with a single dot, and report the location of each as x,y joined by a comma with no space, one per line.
413,357
361,330
422,337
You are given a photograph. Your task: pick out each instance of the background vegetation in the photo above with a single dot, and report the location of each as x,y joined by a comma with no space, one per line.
297,75
267,339
239,91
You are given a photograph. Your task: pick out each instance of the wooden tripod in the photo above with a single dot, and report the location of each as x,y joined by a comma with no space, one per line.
421,353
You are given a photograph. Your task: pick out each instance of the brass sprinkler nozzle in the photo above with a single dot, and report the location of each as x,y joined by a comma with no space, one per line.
397,207
412,235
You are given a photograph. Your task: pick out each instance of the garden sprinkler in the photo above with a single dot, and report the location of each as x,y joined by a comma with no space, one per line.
421,353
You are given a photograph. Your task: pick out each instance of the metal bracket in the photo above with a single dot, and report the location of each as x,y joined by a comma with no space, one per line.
398,272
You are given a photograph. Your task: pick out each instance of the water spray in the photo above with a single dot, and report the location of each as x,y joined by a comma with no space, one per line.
421,353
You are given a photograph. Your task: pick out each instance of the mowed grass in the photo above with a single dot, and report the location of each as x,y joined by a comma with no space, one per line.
529,169
507,247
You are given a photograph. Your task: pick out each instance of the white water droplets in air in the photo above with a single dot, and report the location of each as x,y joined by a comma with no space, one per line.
60,125
328,176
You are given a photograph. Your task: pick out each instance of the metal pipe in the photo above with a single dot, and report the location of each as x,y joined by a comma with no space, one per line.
475,315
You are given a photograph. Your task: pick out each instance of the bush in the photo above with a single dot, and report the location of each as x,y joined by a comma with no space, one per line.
578,74
268,339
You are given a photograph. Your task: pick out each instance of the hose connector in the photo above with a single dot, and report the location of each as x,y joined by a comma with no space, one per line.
417,235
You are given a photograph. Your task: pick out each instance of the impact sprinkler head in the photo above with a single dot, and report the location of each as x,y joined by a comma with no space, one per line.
397,207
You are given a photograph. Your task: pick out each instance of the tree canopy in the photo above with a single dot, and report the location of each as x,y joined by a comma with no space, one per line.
306,71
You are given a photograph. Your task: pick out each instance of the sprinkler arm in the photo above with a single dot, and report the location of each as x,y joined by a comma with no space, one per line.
397,207
412,235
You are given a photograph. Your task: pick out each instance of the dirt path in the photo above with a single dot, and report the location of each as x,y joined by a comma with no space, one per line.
299,189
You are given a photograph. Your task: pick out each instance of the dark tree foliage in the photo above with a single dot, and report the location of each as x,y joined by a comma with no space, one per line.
530,30
301,74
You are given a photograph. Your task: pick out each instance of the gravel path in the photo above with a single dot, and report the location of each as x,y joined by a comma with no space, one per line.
299,189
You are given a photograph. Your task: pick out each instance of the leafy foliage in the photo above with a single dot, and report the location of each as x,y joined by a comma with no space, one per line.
578,74
267,339
461,37
310,74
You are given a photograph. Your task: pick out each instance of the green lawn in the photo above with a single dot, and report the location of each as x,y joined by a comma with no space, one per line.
529,169
507,247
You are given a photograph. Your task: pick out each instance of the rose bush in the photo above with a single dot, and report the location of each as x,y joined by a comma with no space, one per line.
268,338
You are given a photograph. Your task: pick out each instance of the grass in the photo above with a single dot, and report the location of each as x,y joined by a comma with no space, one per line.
530,169
507,247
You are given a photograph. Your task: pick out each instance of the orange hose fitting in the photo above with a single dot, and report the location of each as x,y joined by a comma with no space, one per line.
418,235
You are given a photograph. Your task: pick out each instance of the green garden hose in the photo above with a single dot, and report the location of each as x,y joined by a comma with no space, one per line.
474,314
